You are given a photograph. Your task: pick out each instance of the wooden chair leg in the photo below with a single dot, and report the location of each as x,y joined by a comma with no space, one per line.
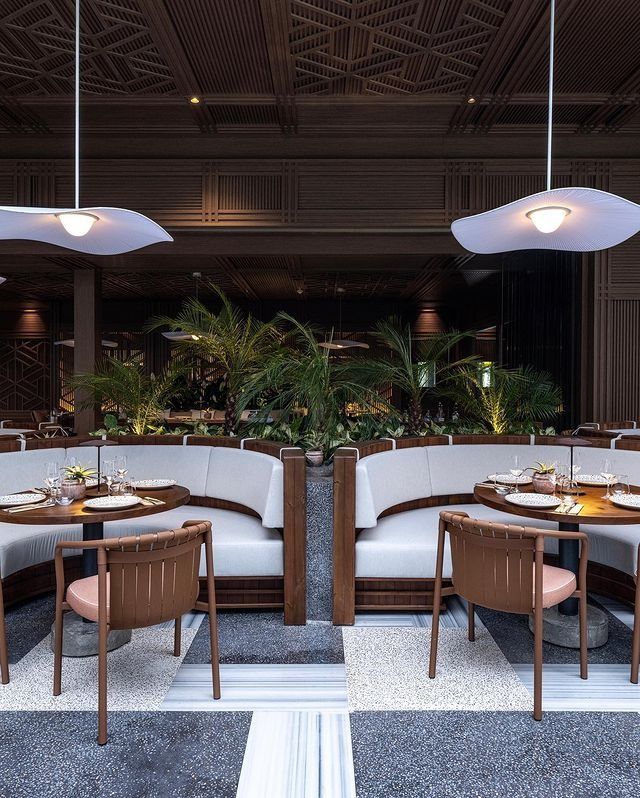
435,628
103,632
215,654
4,653
537,665
471,616
177,636
635,649
58,633
582,610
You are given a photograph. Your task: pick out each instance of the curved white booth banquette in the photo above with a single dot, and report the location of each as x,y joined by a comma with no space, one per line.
242,493
391,513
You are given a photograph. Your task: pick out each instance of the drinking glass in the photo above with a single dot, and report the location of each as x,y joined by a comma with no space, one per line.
108,474
607,474
121,466
126,488
516,471
620,485
52,475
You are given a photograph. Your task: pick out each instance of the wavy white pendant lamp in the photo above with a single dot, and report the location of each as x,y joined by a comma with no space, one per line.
95,231
577,219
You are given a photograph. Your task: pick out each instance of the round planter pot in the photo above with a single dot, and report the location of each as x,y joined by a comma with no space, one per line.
73,489
315,457
544,483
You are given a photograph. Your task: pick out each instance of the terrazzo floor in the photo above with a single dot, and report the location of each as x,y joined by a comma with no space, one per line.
322,711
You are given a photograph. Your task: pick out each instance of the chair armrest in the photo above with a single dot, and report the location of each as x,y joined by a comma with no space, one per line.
5,421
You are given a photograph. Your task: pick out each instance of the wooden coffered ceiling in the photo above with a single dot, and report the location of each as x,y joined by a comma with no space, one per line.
318,66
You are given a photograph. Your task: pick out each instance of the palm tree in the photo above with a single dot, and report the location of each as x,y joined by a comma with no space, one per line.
238,344
140,396
308,376
415,367
505,398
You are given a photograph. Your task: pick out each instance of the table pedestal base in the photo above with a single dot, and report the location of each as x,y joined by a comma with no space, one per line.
564,630
80,639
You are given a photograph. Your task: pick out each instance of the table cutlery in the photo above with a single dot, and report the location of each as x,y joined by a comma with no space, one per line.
24,507
151,500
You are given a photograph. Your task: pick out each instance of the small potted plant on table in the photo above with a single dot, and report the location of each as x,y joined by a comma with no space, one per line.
544,478
74,484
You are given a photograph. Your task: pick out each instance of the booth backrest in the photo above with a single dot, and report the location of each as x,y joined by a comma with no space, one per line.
249,478
23,470
389,478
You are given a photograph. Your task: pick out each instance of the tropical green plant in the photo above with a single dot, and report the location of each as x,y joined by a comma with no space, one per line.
237,344
79,472
140,397
511,400
415,367
310,380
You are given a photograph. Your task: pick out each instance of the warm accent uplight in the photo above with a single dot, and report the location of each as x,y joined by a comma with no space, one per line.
471,100
548,220
194,100
77,223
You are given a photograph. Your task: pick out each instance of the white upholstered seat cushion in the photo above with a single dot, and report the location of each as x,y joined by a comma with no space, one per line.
23,545
242,545
404,545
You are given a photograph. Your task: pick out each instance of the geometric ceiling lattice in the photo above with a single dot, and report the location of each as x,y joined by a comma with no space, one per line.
391,46
118,52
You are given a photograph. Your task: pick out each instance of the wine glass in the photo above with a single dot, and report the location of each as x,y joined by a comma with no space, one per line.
108,474
52,475
516,471
607,474
121,466
620,485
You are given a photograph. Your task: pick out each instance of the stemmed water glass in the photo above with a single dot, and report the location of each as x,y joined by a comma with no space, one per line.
108,474
607,474
52,477
121,466
620,485
516,471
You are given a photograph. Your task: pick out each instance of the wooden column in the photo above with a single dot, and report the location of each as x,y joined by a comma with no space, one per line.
87,333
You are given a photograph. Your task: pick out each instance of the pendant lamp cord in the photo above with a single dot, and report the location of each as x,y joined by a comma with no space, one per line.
549,130
77,99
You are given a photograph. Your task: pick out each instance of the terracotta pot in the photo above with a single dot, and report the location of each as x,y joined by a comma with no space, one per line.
544,483
315,457
73,488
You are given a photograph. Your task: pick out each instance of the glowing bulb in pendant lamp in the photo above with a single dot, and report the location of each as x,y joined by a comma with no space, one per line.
77,223
548,220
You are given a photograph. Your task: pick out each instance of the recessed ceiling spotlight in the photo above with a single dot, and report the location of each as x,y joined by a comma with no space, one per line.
3,280
194,100
471,100
299,290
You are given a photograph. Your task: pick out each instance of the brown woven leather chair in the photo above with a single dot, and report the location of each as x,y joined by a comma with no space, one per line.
142,581
500,566
4,654
635,650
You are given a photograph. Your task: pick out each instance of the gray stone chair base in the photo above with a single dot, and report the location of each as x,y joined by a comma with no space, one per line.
80,638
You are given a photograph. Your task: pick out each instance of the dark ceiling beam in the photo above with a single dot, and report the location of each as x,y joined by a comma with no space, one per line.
168,43
275,21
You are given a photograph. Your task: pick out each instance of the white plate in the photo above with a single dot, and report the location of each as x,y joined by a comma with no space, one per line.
13,499
509,479
595,480
629,500
111,502
153,484
534,500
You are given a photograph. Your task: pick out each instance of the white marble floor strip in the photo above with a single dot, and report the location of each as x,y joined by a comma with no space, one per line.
607,689
190,620
623,612
298,755
259,687
455,617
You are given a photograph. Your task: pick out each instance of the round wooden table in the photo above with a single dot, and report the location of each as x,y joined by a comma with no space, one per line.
93,521
81,636
596,509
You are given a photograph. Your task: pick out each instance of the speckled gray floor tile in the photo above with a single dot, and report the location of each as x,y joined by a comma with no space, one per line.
494,755
149,755
511,633
262,638
27,624
139,676
387,669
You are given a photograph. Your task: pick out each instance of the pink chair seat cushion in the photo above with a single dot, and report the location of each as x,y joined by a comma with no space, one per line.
557,585
82,596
